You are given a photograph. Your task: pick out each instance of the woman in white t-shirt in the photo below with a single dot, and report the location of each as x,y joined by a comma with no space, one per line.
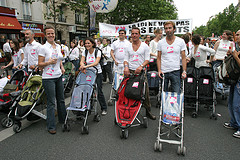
89,60
17,55
74,54
221,47
153,50
200,52
50,59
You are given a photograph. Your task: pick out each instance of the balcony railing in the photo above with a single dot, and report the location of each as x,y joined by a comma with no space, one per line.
27,17
79,22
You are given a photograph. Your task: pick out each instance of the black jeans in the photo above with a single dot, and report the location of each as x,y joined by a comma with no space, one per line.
107,71
101,98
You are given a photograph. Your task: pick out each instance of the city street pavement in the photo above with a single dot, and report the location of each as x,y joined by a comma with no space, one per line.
204,139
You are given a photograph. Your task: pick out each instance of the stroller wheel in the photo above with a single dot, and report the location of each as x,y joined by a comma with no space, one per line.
85,130
7,122
213,116
194,115
184,151
17,127
123,133
179,150
156,146
145,122
97,118
110,102
66,127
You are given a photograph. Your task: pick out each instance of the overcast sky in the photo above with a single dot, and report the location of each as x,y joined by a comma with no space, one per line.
201,10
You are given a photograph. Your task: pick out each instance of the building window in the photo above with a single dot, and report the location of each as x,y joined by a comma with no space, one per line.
26,10
79,18
61,17
3,3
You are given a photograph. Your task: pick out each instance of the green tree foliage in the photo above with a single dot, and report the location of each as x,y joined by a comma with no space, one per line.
130,11
229,19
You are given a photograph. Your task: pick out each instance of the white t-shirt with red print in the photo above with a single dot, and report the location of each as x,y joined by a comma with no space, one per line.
170,58
91,59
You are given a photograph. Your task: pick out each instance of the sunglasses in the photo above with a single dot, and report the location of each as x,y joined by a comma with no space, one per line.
237,34
121,33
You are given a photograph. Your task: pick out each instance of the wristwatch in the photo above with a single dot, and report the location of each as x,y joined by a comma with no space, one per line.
185,72
141,65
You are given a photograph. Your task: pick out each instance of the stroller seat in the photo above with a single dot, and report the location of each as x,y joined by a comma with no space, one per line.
81,98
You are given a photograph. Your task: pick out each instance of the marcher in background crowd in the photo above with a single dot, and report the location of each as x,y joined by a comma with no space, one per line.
50,58
170,49
31,51
137,56
118,50
147,39
199,52
81,47
7,50
234,94
99,43
107,66
153,49
74,55
17,55
130,39
109,42
64,49
221,47
190,45
89,60
21,44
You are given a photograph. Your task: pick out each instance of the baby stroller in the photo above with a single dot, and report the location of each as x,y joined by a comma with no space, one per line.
118,77
15,84
127,110
171,120
31,96
153,84
68,77
206,91
190,85
219,87
84,100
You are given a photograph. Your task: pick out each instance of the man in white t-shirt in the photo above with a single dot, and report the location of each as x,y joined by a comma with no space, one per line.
170,49
118,49
31,51
137,56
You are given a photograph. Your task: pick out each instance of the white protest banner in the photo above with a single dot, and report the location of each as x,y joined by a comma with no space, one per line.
146,27
103,6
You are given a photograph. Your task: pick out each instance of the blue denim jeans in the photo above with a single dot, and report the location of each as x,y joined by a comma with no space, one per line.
234,105
174,78
76,64
101,98
54,91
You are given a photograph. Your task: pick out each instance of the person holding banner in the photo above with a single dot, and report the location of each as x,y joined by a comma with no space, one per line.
170,49
119,48
137,56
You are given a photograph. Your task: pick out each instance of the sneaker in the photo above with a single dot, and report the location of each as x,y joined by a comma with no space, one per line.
236,134
228,125
104,112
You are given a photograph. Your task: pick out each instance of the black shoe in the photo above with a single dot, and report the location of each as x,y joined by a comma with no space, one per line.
150,115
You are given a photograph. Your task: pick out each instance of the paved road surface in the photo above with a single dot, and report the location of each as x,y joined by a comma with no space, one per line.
203,138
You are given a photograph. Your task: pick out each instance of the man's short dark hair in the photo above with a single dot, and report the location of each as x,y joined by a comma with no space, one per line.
48,27
136,28
122,30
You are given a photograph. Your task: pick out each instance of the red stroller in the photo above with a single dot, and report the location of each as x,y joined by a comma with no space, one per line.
127,111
